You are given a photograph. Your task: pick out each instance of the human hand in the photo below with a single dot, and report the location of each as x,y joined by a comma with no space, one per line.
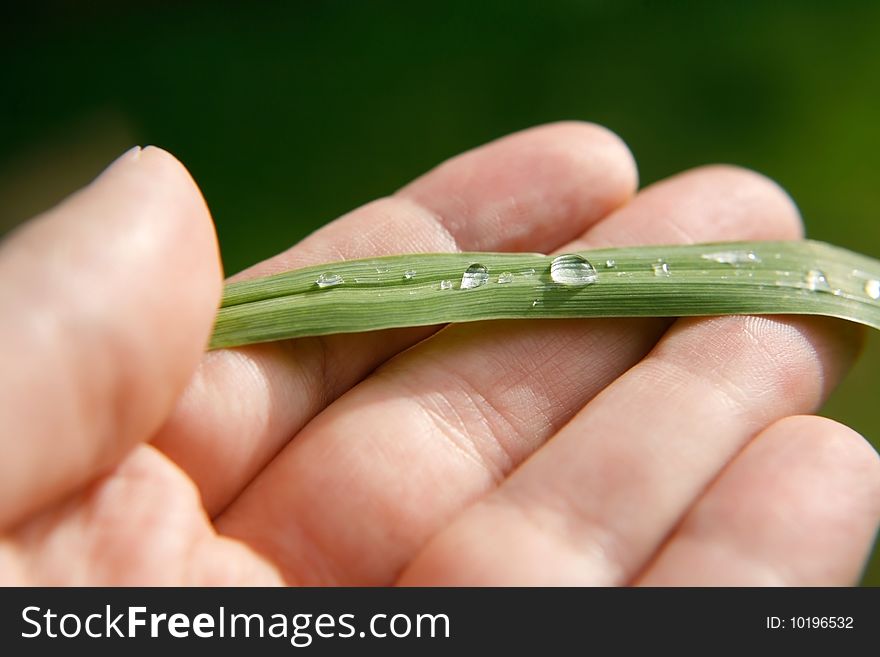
630,451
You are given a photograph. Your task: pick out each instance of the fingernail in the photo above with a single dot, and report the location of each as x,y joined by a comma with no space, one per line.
131,155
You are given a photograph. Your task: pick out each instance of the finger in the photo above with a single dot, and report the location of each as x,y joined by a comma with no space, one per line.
536,189
447,420
799,507
107,303
593,504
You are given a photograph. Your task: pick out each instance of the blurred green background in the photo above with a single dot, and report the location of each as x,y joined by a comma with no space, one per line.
291,113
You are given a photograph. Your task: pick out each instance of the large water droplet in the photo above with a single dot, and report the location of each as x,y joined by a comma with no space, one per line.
409,274
661,269
328,280
445,285
732,257
572,269
816,281
474,276
505,277
872,288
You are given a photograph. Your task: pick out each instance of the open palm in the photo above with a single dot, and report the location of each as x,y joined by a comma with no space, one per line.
636,451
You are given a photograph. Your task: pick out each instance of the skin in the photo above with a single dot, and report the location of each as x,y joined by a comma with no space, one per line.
606,452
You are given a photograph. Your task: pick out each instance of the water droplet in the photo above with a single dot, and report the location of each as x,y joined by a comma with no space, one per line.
536,303
661,269
837,292
505,277
529,272
409,274
572,269
816,281
732,257
328,280
445,285
381,270
872,288
474,276
610,264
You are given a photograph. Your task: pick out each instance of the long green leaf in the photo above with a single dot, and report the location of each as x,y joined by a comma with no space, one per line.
804,277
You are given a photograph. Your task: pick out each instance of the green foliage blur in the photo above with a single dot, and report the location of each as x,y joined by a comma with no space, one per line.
288,114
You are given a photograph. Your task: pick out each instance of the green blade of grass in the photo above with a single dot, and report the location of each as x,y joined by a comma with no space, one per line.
804,277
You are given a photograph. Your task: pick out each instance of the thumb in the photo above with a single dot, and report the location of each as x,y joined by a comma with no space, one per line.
106,303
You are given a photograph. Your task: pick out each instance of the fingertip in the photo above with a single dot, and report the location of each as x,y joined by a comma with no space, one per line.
532,190
160,193
755,194
799,506
598,137
589,147
836,447
828,478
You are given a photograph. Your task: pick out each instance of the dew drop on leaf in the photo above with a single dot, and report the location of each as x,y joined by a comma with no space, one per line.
474,276
505,277
572,269
661,269
328,280
817,281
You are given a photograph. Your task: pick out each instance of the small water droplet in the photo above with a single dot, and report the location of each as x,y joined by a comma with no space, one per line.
328,280
445,285
505,277
837,292
572,269
661,269
610,264
732,257
816,281
381,270
536,303
529,272
872,288
474,276
409,274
